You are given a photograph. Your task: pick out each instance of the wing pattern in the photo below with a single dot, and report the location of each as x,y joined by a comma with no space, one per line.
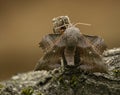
88,49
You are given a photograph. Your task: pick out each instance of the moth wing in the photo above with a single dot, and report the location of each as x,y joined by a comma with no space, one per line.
53,54
47,64
98,42
90,59
48,41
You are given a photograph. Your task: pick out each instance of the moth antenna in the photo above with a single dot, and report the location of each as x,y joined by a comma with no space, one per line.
82,24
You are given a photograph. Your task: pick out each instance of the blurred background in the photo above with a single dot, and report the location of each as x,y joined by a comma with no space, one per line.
24,22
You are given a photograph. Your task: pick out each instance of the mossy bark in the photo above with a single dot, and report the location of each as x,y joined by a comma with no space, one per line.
69,82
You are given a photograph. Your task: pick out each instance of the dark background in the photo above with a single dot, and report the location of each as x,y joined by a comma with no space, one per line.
24,22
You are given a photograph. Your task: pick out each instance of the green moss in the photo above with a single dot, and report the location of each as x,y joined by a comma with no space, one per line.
62,82
1,86
39,93
27,91
69,81
74,81
116,72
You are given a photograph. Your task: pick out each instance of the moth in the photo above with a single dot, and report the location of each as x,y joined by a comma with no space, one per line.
75,49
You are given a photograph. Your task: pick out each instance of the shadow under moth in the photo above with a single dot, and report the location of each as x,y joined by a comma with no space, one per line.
75,49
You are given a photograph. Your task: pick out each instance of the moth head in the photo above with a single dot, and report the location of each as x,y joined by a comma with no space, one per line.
60,24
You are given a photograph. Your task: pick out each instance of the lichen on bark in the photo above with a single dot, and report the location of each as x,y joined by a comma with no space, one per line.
69,82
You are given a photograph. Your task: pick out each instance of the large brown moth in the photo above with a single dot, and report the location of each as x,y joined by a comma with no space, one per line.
73,47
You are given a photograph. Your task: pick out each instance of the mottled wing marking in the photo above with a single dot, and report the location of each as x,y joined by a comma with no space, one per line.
53,48
48,41
90,49
47,64
97,42
50,60
90,58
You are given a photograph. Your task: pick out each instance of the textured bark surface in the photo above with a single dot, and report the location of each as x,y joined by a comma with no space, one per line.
69,82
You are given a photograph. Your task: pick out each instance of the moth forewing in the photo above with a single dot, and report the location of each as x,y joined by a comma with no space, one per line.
91,59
